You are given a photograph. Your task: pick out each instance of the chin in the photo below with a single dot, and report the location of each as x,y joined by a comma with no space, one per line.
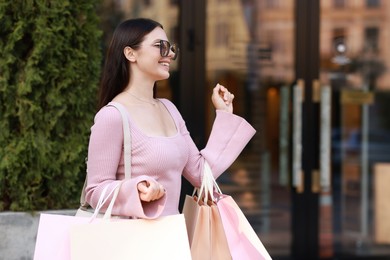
164,76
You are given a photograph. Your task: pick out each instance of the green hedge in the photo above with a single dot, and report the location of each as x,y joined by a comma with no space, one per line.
50,57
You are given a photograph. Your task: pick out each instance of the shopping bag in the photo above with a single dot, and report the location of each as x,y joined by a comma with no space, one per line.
53,241
71,237
117,239
204,224
163,238
53,237
205,231
244,243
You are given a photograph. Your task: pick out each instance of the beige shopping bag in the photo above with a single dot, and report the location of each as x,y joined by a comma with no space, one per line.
205,231
163,238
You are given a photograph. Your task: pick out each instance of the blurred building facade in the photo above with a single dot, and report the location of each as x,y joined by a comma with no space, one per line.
233,25
254,47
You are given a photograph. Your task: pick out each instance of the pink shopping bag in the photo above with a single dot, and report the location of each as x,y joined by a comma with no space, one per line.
244,244
53,238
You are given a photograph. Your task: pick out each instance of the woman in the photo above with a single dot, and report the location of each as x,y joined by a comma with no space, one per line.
162,149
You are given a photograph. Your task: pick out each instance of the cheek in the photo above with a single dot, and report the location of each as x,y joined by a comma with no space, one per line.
154,69
148,63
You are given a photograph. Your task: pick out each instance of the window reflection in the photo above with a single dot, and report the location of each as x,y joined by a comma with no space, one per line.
372,3
250,48
354,62
339,3
371,35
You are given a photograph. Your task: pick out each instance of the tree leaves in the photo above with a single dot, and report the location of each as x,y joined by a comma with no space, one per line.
50,60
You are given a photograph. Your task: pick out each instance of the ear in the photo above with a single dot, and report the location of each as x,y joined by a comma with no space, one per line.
129,54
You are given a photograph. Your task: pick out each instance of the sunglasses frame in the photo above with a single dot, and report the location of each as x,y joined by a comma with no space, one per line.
166,47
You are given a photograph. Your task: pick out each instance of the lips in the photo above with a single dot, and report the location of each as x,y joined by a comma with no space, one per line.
166,64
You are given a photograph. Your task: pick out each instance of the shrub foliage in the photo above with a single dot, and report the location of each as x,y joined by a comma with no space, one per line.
49,68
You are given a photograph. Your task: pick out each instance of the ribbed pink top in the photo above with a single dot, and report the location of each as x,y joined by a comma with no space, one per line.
164,159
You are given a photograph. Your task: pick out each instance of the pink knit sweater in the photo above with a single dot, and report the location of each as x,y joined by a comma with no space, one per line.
164,159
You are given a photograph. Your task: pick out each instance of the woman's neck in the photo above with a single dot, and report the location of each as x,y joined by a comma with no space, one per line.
141,89
141,92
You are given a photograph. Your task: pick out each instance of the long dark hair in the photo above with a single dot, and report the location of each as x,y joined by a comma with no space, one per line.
116,74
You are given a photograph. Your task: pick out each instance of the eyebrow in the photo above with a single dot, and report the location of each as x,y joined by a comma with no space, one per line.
157,41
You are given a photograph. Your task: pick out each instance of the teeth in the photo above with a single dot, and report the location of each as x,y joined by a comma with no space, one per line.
165,64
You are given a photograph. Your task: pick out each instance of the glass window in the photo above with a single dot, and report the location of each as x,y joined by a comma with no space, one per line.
273,4
371,38
338,39
174,34
360,93
250,50
222,34
339,3
372,3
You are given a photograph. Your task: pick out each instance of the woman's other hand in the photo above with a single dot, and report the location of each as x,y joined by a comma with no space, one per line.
150,191
222,99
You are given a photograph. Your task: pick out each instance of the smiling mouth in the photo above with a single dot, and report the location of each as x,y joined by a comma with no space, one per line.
165,64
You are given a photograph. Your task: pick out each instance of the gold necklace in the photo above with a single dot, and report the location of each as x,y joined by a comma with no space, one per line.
143,100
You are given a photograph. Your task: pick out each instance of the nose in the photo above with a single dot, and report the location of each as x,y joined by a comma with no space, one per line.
173,52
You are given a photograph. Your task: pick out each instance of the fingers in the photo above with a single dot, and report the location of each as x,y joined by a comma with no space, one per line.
150,191
223,93
217,89
220,90
142,187
222,99
228,97
159,192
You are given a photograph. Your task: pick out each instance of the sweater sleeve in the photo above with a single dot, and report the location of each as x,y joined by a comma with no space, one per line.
229,136
105,152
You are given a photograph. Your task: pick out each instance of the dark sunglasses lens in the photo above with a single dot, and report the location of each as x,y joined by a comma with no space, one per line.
164,48
175,50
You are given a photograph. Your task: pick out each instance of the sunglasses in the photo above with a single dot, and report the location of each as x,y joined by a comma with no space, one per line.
166,47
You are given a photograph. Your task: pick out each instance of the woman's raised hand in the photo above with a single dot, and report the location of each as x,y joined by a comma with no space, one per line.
150,190
222,99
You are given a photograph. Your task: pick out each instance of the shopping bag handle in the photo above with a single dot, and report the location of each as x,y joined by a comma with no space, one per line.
126,140
127,151
209,186
103,199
